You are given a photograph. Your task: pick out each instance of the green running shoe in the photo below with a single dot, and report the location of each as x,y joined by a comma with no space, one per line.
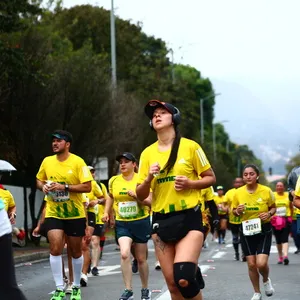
76,293
58,295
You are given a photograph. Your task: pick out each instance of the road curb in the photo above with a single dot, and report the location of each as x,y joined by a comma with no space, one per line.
43,254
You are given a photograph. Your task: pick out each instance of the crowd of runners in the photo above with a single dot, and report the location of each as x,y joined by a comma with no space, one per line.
166,196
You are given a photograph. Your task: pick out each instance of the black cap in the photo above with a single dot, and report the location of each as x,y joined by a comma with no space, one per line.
63,135
152,105
126,155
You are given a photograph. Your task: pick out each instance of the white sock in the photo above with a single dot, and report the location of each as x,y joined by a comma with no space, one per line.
77,267
56,267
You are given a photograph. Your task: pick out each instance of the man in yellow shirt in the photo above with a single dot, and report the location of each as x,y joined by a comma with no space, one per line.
64,177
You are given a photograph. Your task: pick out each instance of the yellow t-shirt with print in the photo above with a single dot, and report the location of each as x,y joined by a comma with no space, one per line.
94,194
282,205
7,199
219,200
99,208
64,204
126,207
191,162
255,203
229,199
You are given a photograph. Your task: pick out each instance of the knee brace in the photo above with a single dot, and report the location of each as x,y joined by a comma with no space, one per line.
187,271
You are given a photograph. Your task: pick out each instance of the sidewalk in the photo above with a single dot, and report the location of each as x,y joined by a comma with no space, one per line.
31,253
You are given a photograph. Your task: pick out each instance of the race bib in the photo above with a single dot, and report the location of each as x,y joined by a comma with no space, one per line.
128,209
281,211
252,227
59,196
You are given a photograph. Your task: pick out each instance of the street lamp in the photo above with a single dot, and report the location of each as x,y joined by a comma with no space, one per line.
113,47
214,138
202,113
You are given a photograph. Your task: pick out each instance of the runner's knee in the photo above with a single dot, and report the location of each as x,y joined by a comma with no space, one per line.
185,279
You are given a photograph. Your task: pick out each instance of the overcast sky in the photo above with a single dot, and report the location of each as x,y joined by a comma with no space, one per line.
249,49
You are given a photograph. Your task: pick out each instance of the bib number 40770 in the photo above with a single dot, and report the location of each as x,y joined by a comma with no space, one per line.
251,227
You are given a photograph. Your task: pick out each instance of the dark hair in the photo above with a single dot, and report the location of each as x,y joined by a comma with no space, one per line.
174,151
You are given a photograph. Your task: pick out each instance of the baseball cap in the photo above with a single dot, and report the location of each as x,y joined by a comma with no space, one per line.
220,187
63,135
127,155
152,105
91,168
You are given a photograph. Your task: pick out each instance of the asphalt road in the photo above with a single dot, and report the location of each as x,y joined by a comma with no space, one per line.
224,277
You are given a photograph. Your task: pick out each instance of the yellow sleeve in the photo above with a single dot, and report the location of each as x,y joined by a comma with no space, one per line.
297,189
11,200
104,190
209,194
97,190
41,175
84,173
235,201
110,184
271,200
200,161
143,168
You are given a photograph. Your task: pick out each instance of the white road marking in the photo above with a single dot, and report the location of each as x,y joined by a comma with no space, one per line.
229,246
219,254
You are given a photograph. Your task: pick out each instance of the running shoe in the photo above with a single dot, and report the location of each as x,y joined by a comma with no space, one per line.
237,256
68,289
58,295
257,296
269,290
286,260
83,280
95,271
280,261
145,294
127,295
134,266
157,265
76,293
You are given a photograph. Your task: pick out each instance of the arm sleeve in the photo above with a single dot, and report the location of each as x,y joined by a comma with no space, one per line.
213,209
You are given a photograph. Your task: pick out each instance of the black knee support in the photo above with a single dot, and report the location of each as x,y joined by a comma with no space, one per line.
188,271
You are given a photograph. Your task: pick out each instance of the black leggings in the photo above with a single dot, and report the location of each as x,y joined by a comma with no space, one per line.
8,285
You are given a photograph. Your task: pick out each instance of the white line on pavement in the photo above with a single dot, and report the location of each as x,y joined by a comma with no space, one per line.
219,254
229,246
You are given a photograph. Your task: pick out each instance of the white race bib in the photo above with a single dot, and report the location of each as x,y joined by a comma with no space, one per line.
128,209
281,211
251,227
59,196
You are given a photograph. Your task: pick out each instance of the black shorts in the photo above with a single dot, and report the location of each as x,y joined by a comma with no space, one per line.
71,227
258,243
91,219
282,235
192,221
223,217
99,229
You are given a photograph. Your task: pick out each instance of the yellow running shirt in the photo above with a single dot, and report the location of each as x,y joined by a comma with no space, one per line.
63,204
255,203
191,162
206,195
7,199
94,194
282,205
99,208
229,199
126,207
219,200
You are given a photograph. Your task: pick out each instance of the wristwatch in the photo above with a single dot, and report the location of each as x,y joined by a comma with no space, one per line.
66,187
